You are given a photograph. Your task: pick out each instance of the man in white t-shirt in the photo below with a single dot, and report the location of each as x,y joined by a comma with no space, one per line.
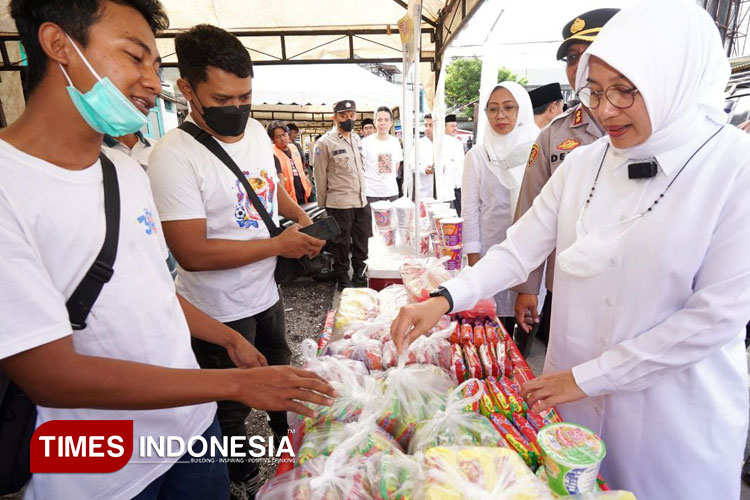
225,252
382,158
133,360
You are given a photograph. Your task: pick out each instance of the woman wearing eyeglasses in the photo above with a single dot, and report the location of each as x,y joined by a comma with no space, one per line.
652,280
493,171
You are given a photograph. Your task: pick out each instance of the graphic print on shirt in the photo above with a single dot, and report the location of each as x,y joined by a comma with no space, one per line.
147,220
385,163
244,212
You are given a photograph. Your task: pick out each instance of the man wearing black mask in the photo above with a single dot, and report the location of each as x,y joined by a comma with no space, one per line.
225,252
339,168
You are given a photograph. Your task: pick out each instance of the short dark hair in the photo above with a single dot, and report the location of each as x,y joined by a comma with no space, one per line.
292,126
75,18
204,45
367,121
273,126
544,107
384,109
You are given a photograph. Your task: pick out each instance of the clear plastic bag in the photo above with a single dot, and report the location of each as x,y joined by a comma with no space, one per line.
478,473
422,276
602,495
393,476
355,304
338,477
412,393
485,308
433,349
360,439
391,299
359,348
378,329
455,426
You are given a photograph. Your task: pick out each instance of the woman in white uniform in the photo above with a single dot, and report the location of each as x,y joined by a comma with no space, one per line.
652,280
493,171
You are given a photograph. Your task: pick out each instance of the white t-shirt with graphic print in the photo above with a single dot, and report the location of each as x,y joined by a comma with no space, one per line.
189,182
52,227
381,165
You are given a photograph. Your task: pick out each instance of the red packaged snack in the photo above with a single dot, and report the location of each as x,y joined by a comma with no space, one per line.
455,334
487,404
521,375
516,440
525,428
473,364
472,388
458,366
550,416
490,365
514,356
512,384
535,421
498,397
498,349
516,402
467,334
490,331
479,337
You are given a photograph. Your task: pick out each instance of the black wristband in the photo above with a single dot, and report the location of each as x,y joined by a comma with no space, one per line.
443,292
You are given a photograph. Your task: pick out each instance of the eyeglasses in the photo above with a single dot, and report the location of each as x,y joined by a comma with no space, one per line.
620,96
507,110
572,58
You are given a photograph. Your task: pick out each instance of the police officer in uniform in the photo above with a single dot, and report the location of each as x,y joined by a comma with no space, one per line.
569,130
339,168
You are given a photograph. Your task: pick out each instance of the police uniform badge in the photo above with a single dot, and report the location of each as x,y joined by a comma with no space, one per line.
532,156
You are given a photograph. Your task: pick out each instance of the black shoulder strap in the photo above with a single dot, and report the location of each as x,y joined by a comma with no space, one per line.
80,303
210,143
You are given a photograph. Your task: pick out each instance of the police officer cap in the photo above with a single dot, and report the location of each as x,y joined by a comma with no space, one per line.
584,28
451,119
345,105
545,94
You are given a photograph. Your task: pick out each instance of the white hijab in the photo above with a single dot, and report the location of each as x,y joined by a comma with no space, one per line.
671,51
512,149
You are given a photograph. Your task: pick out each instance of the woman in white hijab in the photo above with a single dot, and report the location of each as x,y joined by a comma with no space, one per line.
652,281
493,171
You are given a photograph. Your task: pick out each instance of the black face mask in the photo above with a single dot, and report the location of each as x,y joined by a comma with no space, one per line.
347,126
228,121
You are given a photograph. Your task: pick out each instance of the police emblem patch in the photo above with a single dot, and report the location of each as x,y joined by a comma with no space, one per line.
532,156
579,117
568,145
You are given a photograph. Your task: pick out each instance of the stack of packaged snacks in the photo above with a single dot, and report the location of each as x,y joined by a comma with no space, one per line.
404,218
457,473
383,213
412,393
422,276
451,232
355,304
455,426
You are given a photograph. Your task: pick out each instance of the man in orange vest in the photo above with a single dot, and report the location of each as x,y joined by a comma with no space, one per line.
289,164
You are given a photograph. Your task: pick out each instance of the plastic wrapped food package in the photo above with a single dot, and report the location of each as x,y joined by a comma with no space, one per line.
433,349
456,427
479,473
393,476
355,304
412,393
324,478
361,439
485,308
378,329
359,348
602,495
422,276
391,299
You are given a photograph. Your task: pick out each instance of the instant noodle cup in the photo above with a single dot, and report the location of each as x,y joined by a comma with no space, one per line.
452,230
388,236
456,255
572,456
382,211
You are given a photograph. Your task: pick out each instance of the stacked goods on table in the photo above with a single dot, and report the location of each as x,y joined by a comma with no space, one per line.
434,423
383,213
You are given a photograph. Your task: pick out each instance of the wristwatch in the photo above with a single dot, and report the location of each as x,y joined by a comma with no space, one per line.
443,292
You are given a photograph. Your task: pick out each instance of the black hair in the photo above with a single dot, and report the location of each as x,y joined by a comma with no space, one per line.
75,18
384,109
204,45
292,126
367,121
428,116
544,107
273,126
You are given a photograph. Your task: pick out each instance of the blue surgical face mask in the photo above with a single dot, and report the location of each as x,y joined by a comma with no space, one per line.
104,107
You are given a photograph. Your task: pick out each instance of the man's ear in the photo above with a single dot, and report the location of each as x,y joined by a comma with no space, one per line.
185,89
55,44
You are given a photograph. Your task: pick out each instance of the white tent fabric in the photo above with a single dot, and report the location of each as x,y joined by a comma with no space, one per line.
323,84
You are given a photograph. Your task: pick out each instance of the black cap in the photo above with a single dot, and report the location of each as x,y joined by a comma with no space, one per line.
345,105
545,94
584,28
450,119
367,121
